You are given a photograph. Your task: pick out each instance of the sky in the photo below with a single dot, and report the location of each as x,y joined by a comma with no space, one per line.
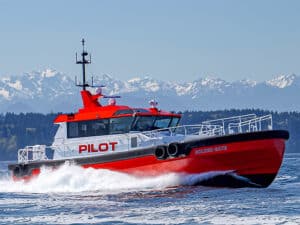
165,39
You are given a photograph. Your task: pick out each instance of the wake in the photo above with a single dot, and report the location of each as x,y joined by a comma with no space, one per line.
72,178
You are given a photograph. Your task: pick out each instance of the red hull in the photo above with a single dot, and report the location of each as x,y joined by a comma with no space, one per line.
251,157
256,158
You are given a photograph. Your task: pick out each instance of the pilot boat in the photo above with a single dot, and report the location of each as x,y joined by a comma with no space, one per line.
241,151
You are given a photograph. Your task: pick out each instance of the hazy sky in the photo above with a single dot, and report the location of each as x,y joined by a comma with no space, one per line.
168,40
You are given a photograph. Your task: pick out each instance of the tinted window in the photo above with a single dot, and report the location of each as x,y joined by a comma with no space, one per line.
143,123
72,130
87,128
120,125
146,123
99,127
174,122
162,122
83,129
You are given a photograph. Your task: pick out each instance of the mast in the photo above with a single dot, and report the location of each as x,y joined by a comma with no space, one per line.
90,101
83,61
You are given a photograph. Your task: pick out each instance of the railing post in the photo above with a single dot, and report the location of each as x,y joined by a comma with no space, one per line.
260,124
271,121
240,125
223,124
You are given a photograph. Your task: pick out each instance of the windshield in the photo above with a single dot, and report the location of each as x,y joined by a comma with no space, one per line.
174,122
162,122
143,123
146,123
119,125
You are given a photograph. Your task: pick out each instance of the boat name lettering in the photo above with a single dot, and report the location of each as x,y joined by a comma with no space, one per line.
212,149
102,147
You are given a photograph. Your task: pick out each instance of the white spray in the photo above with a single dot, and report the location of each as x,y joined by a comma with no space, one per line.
72,178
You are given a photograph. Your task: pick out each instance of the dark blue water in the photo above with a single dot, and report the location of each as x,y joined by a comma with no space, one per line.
75,196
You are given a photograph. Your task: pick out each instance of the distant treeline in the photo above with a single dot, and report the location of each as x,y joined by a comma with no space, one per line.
19,130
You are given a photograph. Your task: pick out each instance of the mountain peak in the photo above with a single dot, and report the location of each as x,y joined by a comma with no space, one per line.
5,94
134,80
38,74
210,82
49,73
282,81
247,82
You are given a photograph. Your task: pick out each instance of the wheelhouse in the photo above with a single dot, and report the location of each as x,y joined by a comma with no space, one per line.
119,122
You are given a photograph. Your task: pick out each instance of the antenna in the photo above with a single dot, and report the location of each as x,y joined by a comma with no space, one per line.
83,61
96,85
111,96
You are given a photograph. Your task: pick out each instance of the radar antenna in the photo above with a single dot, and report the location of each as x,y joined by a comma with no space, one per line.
90,100
83,61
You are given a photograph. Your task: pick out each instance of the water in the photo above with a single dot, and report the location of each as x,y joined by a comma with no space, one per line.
72,195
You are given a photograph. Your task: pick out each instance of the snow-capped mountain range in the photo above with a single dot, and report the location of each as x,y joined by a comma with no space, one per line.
53,91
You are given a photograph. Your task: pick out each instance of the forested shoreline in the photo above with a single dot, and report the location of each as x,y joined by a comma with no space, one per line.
19,130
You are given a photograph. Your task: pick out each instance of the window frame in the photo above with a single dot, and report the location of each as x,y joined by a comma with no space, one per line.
134,119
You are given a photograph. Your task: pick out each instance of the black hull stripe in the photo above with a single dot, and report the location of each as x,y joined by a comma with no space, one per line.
261,135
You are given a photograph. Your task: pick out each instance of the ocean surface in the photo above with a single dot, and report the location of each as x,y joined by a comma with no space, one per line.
71,195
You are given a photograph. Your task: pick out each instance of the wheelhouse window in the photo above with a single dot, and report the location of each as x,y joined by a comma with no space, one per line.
146,123
162,122
99,127
174,122
72,130
87,128
120,125
143,123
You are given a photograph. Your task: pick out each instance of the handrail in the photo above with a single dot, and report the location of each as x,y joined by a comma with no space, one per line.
187,130
32,153
225,121
253,124
211,128
230,118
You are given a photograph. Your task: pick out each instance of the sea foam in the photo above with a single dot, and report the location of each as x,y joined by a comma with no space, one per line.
72,178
